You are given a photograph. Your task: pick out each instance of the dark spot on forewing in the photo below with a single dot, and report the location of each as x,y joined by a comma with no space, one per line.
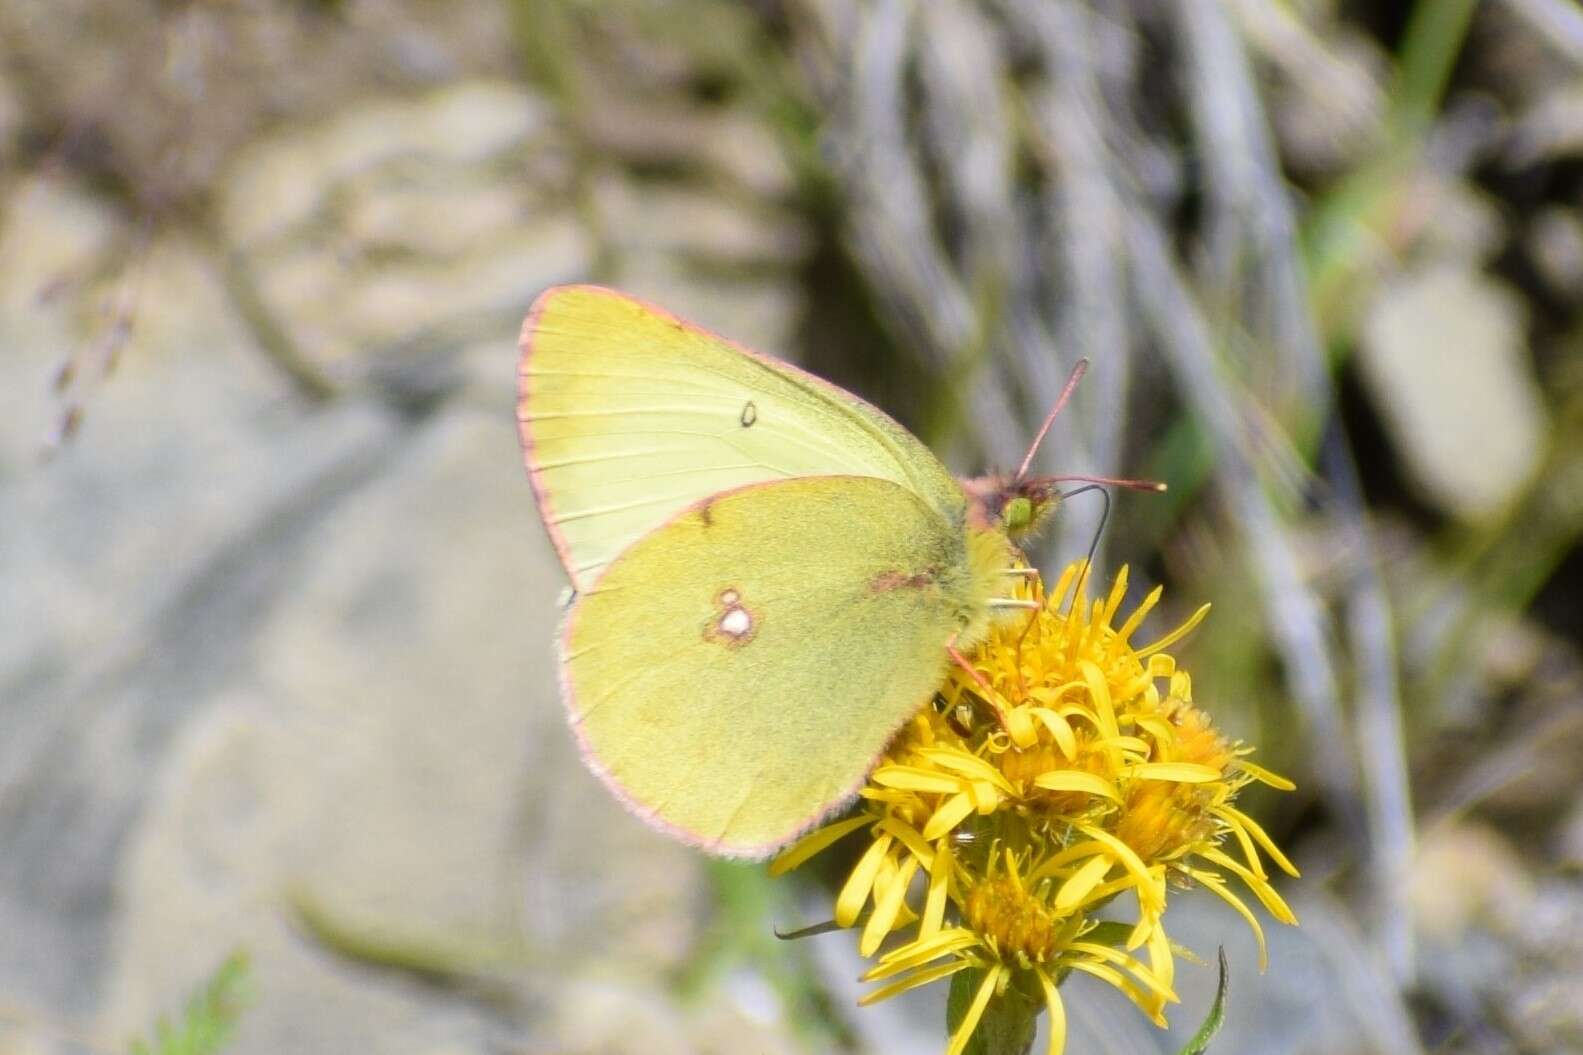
750,414
895,579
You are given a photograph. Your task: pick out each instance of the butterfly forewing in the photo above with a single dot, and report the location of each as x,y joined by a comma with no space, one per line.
629,415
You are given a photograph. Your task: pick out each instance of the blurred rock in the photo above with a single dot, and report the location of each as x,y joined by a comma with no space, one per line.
1500,945
396,750
1325,990
1444,358
1569,844
54,239
1462,874
10,119
761,314
601,1017
1452,222
1555,242
281,183
1542,1001
164,98
1551,128
257,649
611,1018
156,541
675,134
404,227
695,223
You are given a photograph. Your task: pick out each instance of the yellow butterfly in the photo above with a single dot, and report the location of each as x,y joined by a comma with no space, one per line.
771,575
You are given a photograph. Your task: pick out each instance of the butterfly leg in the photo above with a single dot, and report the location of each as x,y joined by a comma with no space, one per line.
985,689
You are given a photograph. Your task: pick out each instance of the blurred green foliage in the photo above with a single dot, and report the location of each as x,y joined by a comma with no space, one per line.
209,1020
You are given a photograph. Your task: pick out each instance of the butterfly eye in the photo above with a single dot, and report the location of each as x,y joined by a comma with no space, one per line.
1018,514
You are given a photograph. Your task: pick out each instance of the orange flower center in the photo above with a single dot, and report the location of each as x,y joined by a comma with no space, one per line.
1016,923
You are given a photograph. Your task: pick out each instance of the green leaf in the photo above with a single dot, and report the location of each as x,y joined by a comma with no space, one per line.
210,1016
1109,932
1009,1022
1217,1014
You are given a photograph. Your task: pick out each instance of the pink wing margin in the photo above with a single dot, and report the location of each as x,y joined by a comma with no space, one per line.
541,494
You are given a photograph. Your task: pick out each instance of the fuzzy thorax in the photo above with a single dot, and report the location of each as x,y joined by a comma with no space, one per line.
991,556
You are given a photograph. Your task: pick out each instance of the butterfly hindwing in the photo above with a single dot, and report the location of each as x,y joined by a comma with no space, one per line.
734,673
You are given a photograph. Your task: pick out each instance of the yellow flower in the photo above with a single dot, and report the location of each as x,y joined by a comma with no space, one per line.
1050,776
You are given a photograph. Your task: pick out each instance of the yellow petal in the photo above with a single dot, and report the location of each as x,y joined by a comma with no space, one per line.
1148,894
966,764
912,981
1099,694
1248,850
814,842
1175,635
914,778
1162,731
1136,993
1076,780
1260,887
1264,776
948,816
986,796
1020,727
1125,743
1117,591
1218,888
856,889
1248,824
1181,772
939,888
910,837
1075,852
917,953
1058,595
1120,959
1135,620
975,1011
1161,962
1082,882
1059,728
886,907
1052,1002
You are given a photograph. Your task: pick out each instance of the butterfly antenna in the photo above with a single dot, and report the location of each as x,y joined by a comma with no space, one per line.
1108,481
1060,401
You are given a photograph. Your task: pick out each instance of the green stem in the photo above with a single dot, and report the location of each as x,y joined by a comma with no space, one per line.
1008,1024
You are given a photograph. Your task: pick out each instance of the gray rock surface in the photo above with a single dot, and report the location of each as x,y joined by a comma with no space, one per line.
1443,354
262,653
396,754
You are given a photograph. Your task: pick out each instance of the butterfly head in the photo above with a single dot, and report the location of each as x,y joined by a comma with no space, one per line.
1019,507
